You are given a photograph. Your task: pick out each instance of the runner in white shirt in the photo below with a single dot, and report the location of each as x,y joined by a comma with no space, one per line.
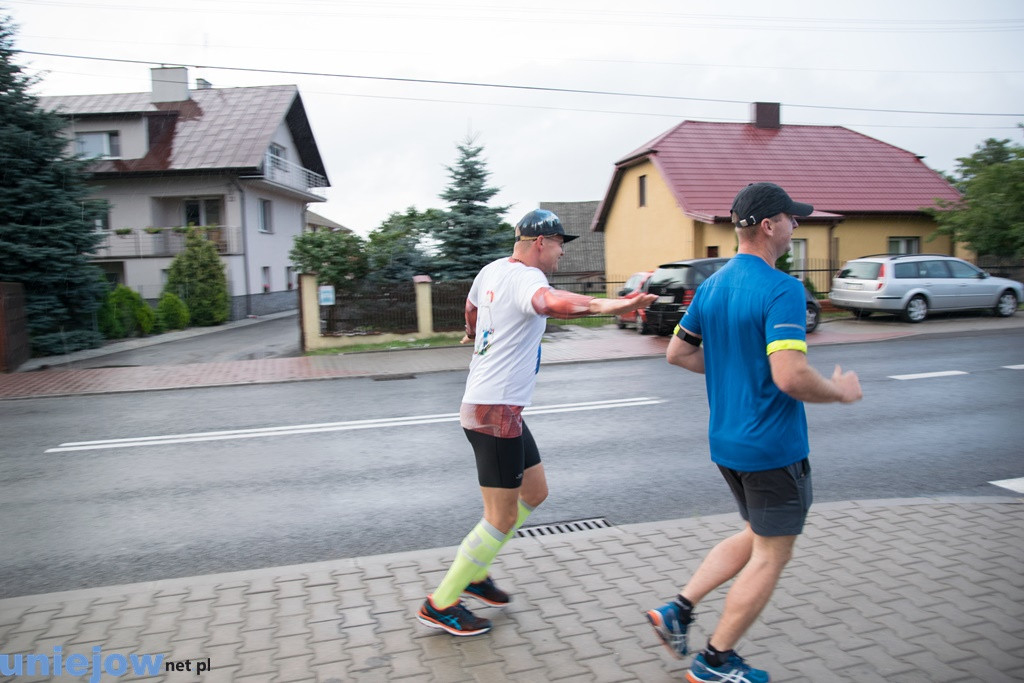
506,314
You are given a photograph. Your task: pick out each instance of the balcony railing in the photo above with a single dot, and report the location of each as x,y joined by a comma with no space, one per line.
284,172
149,242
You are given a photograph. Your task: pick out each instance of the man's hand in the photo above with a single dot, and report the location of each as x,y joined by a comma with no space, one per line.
848,385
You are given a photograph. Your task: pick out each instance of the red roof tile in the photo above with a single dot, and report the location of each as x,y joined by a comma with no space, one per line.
837,170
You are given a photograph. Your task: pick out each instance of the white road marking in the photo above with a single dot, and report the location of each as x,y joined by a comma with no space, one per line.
333,426
1014,367
1012,484
926,375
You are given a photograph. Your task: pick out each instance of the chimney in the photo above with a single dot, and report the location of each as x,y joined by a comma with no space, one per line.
203,84
765,115
170,84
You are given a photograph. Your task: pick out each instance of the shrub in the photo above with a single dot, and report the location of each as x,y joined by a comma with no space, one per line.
197,277
125,314
171,313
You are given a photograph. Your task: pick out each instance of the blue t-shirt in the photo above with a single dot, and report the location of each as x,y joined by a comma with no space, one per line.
744,312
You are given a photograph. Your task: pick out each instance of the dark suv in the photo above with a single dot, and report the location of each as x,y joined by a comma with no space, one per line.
675,283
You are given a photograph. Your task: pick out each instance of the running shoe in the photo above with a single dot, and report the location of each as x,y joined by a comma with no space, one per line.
735,670
486,592
456,620
668,623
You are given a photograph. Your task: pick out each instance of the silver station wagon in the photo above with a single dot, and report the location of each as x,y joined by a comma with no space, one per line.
911,285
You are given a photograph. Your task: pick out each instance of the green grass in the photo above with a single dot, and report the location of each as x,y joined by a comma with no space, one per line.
593,321
444,339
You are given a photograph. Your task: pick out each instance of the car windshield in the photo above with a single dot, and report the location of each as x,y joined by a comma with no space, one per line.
861,270
672,277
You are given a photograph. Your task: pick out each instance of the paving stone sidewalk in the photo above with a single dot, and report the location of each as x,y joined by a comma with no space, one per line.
900,590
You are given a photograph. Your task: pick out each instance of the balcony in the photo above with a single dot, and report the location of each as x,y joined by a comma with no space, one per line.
283,172
157,242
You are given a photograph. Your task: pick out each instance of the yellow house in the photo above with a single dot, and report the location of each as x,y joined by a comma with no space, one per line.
670,199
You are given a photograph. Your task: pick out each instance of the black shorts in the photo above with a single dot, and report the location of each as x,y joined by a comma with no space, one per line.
500,462
774,502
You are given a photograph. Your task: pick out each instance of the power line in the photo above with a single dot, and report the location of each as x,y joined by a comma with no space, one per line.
505,86
556,58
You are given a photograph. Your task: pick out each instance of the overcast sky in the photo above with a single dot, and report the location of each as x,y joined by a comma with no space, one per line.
934,77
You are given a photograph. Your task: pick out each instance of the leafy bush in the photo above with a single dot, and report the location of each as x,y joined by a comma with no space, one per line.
125,314
171,313
196,276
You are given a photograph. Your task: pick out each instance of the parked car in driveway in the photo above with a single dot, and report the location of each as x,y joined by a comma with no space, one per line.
913,285
813,311
634,287
675,283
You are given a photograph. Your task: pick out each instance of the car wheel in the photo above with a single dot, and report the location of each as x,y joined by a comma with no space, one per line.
641,326
618,321
916,310
812,318
1006,305
860,313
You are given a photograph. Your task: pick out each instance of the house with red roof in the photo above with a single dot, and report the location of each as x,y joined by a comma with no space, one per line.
670,199
240,163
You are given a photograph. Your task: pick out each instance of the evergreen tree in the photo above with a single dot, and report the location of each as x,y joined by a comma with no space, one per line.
196,276
474,233
47,223
397,250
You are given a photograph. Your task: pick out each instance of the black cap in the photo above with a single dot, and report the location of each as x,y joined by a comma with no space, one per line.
758,201
541,222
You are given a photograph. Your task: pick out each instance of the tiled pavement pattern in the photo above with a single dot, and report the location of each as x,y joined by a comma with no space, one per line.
903,590
574,345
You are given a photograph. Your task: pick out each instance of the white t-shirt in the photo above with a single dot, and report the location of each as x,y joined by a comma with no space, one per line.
506,352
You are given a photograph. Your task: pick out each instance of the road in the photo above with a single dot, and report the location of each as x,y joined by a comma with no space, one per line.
276,337
316,479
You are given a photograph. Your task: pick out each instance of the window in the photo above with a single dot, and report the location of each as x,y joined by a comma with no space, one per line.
904,245
798,257
106,145
712,252
963,270
935,269
264,217
277,156
202,211
101,219
642,187
266,279
289,277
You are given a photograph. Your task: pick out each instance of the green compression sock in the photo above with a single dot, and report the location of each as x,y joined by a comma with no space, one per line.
477,550
524,512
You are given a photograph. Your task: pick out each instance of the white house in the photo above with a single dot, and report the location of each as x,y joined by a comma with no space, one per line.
242,163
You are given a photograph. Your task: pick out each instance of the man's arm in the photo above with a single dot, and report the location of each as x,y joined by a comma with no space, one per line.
558,303
471,311
794,376
684,353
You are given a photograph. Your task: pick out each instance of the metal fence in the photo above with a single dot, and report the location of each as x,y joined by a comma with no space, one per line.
372,308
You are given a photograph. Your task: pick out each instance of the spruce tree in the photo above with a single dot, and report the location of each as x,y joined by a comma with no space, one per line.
196,276
473,234
47,223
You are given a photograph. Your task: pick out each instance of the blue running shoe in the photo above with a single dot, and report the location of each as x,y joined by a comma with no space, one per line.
456,619
735,670
486,592
669,625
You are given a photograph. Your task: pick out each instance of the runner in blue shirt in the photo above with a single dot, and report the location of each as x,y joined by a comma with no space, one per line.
745,331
